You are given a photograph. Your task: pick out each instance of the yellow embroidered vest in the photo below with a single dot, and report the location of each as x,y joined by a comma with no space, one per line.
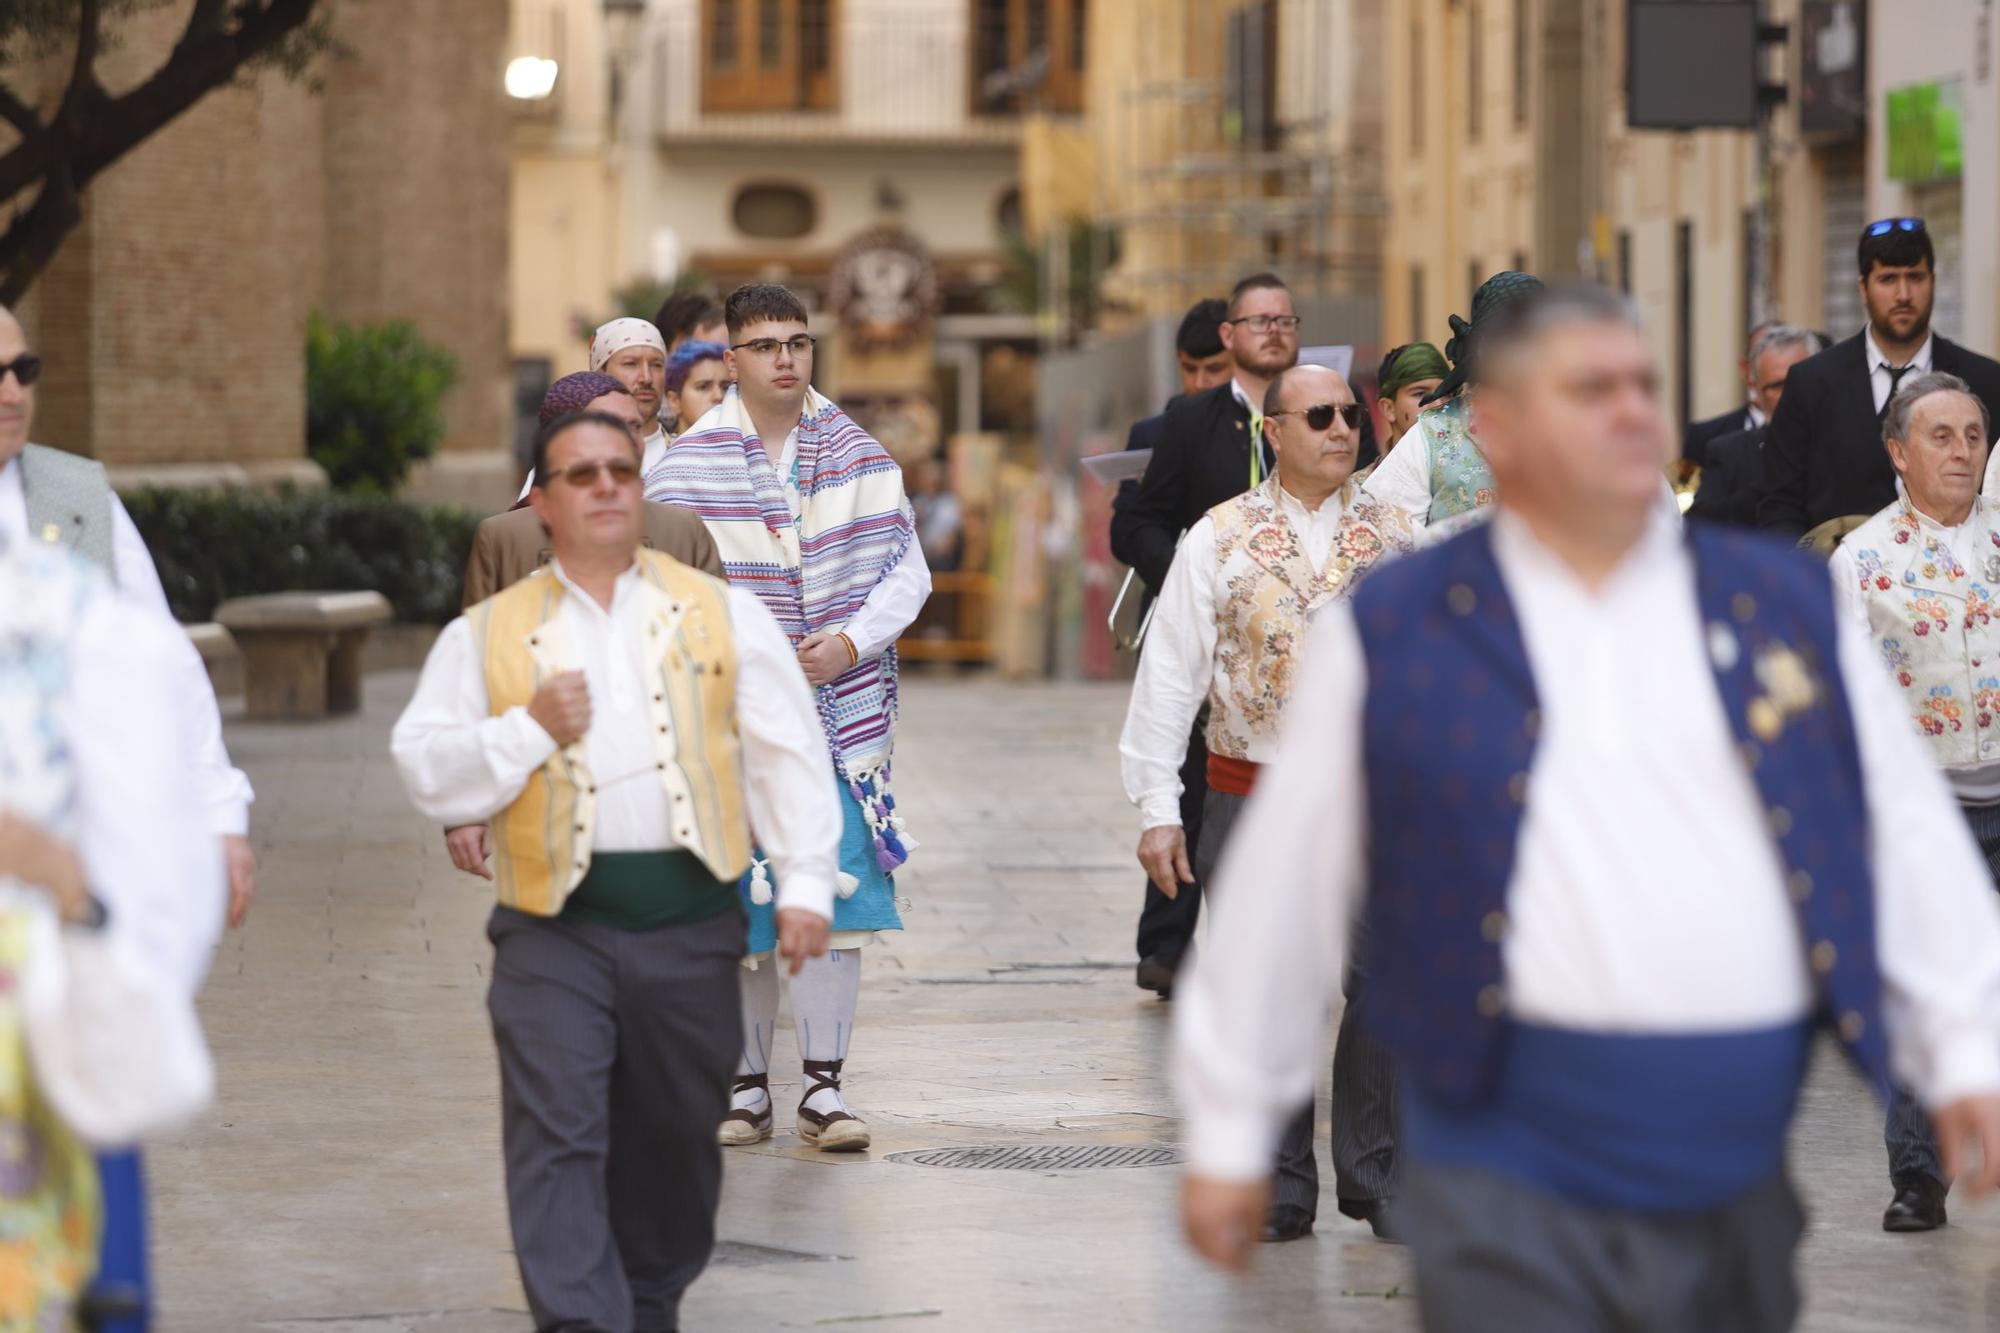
541,843
1266,588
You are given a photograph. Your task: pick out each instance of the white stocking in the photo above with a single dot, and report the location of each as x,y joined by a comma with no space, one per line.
759,992
824,996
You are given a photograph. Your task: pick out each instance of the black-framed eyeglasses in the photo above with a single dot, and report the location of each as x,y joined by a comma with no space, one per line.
1265,323
27,368
1887,225
799,344
1320,415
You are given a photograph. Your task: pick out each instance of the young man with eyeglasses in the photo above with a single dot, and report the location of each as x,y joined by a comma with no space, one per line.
1227,635
619,722
1824,459
810,514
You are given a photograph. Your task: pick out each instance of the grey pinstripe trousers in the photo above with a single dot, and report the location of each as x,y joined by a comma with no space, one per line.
1364,1082
616,1051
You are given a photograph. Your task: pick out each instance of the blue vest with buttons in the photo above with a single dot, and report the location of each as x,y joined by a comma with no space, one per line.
1449,733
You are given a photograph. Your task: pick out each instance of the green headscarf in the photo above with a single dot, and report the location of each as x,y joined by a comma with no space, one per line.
1495,292
1408,364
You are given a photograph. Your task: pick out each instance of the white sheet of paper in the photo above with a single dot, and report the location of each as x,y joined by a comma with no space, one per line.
1113,468
1338,357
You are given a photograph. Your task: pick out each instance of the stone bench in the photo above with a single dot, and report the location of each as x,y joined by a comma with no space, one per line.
302,650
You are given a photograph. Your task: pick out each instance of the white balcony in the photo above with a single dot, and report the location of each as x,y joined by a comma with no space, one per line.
898,74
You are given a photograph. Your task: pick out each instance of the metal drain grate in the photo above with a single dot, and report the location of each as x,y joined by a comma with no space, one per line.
1043,1156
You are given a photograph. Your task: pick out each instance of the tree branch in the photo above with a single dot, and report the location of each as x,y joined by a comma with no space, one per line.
19,114
92,130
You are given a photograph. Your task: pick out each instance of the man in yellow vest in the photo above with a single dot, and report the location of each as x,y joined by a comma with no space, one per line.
618,721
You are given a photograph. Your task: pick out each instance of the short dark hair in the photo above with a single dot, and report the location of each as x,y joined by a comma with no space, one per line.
1895,248
754,302
562,425
1200,334
1256,282
684,312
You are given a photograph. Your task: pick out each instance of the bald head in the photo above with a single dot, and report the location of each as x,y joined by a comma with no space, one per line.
18,369
1300,386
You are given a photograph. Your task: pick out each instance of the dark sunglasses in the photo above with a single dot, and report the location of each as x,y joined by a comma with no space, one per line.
1887,225
1320,417
623,472
27,368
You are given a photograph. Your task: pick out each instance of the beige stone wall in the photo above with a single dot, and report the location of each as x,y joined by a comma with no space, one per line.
174,316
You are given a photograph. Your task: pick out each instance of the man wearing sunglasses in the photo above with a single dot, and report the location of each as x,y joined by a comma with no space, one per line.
54,497
1824,458
618,721
1227,634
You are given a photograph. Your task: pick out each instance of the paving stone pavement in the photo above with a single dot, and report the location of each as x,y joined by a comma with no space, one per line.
348,1178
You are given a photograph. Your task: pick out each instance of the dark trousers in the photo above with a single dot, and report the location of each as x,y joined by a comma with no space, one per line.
1166,925
1907,1130
1494,1255
1364,1083
616,1051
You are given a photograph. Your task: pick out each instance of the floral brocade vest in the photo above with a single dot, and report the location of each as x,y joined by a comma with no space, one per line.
1266,590
49,1200
1460,479
1931,607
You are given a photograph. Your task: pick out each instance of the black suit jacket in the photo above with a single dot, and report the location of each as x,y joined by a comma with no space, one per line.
1201,457
1825,457
1732,480
1125,546
1700,434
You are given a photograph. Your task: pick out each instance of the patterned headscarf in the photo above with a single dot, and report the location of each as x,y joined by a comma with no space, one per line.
620,334
573,393
1495,292
1408,364
686,357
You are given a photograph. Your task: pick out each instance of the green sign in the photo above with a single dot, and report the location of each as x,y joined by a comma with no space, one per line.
1926,139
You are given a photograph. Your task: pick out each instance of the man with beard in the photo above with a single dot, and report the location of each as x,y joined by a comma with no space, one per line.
1825,458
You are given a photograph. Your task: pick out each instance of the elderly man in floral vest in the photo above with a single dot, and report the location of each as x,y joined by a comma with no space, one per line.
1229,630
1921,576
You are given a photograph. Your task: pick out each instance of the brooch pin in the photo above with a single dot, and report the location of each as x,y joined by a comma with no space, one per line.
1789,690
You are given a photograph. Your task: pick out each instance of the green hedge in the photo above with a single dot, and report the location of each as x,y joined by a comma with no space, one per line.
214,545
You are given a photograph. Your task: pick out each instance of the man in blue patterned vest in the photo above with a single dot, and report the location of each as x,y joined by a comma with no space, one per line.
1602,1023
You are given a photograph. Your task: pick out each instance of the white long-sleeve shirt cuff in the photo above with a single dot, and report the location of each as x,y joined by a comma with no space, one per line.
892,605
1160,808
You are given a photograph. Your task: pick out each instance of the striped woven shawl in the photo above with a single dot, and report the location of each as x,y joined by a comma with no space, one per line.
813,573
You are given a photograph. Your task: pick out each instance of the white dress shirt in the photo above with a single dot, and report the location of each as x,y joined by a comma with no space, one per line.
893,604
1178,666
1879,378
1647,894
224,792
1403,477
463,766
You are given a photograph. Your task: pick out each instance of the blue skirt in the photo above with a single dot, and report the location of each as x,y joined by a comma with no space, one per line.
873,906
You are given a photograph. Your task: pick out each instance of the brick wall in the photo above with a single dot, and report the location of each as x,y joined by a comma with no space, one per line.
174,316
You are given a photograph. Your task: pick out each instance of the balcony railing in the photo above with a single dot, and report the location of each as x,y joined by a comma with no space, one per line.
902,74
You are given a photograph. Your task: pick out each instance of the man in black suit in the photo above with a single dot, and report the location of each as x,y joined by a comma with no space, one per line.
1698,435
1732,467
1203,363
1202,455
1824,458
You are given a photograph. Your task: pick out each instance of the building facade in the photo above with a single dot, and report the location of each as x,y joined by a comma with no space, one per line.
174,316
